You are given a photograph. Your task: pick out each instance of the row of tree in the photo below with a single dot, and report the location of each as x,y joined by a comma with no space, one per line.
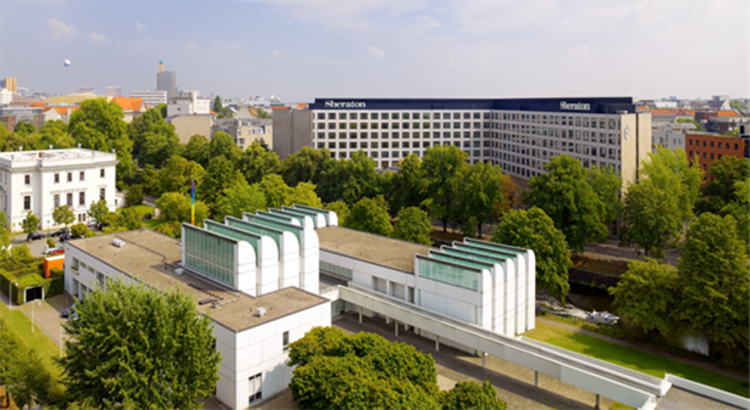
708,292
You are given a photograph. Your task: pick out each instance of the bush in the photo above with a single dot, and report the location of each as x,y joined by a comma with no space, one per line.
134,196
79,230
56,272
50,243
53,286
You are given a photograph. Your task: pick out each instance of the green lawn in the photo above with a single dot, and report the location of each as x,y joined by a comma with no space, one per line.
648,363
143,209
153,223
39,341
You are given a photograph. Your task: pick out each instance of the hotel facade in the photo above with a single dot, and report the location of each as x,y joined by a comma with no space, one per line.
520,135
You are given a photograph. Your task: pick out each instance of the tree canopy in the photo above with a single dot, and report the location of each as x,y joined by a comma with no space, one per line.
136,347
341,209
257,162
30,224
240,198
350,180
63,215
669,171
565,195
443,167
714,281
534,230
651,219
306,165
720,190
363,370
607,185
407,185
370,215
414,226
176,207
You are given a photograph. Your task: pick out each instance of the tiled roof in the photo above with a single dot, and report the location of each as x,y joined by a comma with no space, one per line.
133,104
727,114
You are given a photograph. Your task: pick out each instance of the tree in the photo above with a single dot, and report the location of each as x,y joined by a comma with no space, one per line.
472,396
152,350
238,199
714,281
359,371
257,162
607,185
176,175
24,128
407,187
263,113
277,193
159,143
534,230
79,230
305,165
442,167
480,192
646,295
151,119
198,150
5,240
370,215
98,125
341,209
565,195
30,223
650,219
219,176
669,171
350,180
176,207
304,194
698,126
55,133
218,107
134,196
222,144
63,215
98,211
126,219
414,226
720,190
738,210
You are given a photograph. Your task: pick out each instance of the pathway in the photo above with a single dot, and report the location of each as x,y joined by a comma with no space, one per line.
646,349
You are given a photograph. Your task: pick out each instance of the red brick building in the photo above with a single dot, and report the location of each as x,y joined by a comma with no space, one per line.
711,147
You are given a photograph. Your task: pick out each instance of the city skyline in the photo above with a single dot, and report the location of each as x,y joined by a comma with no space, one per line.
303,50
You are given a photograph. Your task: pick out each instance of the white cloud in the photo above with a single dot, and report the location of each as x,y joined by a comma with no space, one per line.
59,29
376,52
98,39
140,26
279,53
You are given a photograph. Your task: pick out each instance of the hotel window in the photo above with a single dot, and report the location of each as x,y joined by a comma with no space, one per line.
394,116
70,177
82,176
342,116
363,116
374,154
405,125
26,202
57,178
331,145
385,154
384,116
321,116
374,116
69,199
81,198
27,179
394,125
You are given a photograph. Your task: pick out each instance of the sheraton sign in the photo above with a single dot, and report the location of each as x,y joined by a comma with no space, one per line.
575,106
345,104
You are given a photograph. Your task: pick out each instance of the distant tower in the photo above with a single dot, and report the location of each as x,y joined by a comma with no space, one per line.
165,81
10,83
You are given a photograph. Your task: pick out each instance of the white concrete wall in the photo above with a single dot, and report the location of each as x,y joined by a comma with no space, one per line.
268,266
289,261
246,267
260,350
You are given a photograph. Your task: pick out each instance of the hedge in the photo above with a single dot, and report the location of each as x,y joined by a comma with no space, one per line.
30,276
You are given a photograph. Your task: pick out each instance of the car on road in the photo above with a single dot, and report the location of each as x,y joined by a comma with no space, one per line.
34,236
61,231
67,312
66,237
54,251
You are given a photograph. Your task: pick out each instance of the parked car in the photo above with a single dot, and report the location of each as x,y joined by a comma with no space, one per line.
61,231
34,236
66,237
56,251
69,311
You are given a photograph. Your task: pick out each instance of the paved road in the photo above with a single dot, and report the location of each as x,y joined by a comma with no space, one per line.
611,247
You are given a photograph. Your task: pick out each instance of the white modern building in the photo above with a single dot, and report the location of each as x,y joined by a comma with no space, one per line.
40,181
152,98
188,103
6,96
671,135
257,277
521,135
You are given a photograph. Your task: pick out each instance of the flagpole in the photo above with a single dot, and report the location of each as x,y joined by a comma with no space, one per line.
192,209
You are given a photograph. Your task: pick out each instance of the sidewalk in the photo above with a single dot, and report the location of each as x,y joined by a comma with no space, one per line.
647,349
46,314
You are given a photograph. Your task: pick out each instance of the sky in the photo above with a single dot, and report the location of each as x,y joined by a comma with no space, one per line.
302,50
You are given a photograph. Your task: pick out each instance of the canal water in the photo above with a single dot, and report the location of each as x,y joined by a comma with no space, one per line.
590,298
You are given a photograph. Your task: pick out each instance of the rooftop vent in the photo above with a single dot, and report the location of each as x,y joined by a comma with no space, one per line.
118,242
205,301
179,271
261,311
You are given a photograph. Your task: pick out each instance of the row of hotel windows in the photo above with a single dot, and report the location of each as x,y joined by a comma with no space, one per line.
727,144
81,177
69,199
577,121
601,137
435,125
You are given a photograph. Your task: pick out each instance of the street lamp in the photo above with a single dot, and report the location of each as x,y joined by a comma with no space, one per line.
32,315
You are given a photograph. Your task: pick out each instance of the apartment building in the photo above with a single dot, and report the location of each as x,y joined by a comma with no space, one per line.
520,135
707,148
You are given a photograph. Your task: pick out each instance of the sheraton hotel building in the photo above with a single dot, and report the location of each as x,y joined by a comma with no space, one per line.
520,135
